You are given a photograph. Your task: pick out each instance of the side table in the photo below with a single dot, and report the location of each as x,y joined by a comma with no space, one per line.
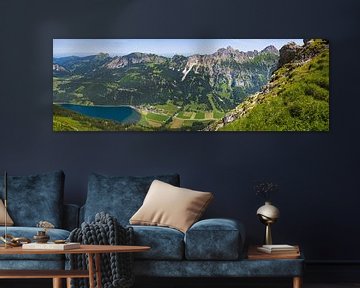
254,255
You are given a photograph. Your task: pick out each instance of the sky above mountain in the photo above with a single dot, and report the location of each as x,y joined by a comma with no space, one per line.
164,47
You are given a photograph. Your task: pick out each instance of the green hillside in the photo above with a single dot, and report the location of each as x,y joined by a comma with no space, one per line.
297,98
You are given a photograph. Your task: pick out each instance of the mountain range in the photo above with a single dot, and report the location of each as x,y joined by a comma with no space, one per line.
213,82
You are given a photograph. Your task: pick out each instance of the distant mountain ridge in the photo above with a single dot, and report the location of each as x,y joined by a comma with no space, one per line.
133,58
217,81
222,63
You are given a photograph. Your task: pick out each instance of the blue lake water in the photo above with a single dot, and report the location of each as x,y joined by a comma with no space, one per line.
122,114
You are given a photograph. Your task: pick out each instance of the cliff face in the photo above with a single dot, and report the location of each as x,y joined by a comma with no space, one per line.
288,53
295,99
292,52
233,67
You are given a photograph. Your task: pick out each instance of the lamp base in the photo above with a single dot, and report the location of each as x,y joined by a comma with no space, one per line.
268,237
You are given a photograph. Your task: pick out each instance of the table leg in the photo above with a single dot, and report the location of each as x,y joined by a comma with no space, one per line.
57,283
98,270
68,282
297,282
91,270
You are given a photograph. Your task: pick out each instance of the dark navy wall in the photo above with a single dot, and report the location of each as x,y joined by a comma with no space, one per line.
318,173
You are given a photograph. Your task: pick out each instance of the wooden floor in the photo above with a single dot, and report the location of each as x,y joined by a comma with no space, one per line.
45,283
339,285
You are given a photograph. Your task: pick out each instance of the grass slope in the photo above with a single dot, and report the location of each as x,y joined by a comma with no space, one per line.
298,99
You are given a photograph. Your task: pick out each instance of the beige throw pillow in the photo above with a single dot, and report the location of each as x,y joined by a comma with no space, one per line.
170,206
9,221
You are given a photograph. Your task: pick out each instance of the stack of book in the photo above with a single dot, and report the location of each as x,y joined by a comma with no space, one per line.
274,252
279,249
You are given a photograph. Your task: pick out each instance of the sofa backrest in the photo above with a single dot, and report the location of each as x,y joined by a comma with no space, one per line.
70,219
35,198
119,196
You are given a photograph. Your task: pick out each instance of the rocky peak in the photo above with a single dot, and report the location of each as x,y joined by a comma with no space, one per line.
292,52
270,49
288,53
224,53
228,50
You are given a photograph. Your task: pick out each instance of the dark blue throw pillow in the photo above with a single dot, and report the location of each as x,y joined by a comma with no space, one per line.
119,196
35,198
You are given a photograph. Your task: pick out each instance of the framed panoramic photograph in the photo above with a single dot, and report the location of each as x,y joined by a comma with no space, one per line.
190,85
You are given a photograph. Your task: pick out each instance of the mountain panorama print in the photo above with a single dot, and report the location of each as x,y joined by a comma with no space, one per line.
190,85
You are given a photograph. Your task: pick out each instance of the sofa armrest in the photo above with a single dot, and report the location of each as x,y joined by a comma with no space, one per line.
215,239
71,216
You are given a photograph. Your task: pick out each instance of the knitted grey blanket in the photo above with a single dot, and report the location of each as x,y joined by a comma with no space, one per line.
116,268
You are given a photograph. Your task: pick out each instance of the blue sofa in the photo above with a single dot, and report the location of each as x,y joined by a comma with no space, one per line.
210,248
32,199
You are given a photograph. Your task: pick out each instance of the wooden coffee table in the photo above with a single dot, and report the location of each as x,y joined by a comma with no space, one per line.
92,251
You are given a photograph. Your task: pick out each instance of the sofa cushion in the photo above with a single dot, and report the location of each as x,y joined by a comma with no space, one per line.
214,239
29,232
119,196
9,221
35,198
165,243
170,206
